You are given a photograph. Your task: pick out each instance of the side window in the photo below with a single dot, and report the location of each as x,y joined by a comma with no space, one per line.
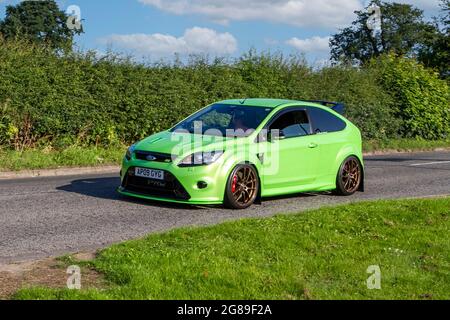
292,124
323,121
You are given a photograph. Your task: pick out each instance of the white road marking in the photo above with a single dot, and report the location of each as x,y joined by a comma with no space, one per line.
428,163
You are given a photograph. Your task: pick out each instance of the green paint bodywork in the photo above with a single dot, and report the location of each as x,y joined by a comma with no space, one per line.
301,168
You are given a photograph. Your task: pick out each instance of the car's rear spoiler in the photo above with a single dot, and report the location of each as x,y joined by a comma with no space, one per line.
336,106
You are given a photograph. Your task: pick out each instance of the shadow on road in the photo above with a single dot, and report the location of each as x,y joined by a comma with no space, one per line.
105,188
298,196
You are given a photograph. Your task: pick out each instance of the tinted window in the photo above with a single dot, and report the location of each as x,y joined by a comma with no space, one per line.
223,119
292,124
324,121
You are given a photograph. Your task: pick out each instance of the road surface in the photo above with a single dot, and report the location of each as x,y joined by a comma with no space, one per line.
44,217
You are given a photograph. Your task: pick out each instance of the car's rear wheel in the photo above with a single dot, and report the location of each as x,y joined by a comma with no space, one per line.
349,177
242,187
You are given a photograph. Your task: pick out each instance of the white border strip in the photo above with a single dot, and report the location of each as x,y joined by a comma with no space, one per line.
428,163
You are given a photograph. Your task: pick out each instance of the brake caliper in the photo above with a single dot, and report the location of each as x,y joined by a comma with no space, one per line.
233,185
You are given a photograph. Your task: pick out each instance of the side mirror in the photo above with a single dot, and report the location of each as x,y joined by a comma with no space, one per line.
273,137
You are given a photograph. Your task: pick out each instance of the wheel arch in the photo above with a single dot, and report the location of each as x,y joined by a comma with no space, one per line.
230,172
232,162
251,163
351,151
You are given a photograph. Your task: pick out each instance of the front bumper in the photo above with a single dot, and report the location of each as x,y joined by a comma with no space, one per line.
181,185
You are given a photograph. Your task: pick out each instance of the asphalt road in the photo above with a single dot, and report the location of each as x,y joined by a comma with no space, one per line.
44,217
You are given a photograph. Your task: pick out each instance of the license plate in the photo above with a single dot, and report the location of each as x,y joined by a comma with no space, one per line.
149,173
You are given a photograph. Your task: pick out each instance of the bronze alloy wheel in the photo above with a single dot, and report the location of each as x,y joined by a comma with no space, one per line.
349,178
242,188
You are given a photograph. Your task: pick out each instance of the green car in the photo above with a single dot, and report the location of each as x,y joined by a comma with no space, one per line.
236,152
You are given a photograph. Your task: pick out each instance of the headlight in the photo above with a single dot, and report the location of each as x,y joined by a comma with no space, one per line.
130,151
201,159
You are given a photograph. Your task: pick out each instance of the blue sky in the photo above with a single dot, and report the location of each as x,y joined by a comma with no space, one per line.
157,29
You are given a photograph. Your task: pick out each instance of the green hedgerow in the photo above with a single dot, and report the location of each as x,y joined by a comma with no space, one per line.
79,99
422,99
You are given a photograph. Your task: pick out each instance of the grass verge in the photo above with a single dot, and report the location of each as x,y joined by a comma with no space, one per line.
31,159
404,145
320,254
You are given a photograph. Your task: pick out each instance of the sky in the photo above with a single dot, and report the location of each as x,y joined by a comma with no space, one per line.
157,29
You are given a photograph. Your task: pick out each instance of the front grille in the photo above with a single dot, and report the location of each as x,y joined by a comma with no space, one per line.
153,156
170,188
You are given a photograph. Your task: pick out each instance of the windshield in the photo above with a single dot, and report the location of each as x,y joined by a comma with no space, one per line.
225,120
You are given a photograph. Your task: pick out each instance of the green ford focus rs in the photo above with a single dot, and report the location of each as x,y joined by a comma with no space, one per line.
236,152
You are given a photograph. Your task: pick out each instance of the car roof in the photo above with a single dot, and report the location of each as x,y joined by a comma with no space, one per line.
260,102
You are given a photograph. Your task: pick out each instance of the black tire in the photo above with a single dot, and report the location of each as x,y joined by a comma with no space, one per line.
349,177
242,187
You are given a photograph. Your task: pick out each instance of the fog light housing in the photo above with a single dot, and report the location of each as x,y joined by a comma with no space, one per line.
202,185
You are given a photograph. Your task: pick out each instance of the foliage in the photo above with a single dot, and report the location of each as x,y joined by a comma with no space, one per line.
40,22
405,145
422,98
78,98
403,31
50,158
436,52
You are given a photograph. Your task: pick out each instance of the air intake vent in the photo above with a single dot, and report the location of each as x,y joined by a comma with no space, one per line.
153,156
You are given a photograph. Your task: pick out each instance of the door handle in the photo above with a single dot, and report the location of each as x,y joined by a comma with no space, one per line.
313,145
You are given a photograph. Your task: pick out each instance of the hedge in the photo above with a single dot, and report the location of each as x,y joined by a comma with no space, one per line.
422,98
80,99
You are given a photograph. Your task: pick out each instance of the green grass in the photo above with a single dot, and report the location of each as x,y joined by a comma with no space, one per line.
405,145
11,160
320,254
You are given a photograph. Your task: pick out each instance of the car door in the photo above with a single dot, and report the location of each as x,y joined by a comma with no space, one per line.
330,136
291,153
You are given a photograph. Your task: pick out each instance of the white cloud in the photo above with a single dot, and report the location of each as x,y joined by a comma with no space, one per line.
314,44
301,13
317,13
194,41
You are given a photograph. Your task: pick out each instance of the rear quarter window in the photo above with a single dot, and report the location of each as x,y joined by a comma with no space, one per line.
323,121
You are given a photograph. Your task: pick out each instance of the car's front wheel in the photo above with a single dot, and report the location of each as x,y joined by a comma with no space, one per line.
349,177
242,187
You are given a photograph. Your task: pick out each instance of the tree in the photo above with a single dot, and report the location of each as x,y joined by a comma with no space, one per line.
403,31
40,22
445,17
436,53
